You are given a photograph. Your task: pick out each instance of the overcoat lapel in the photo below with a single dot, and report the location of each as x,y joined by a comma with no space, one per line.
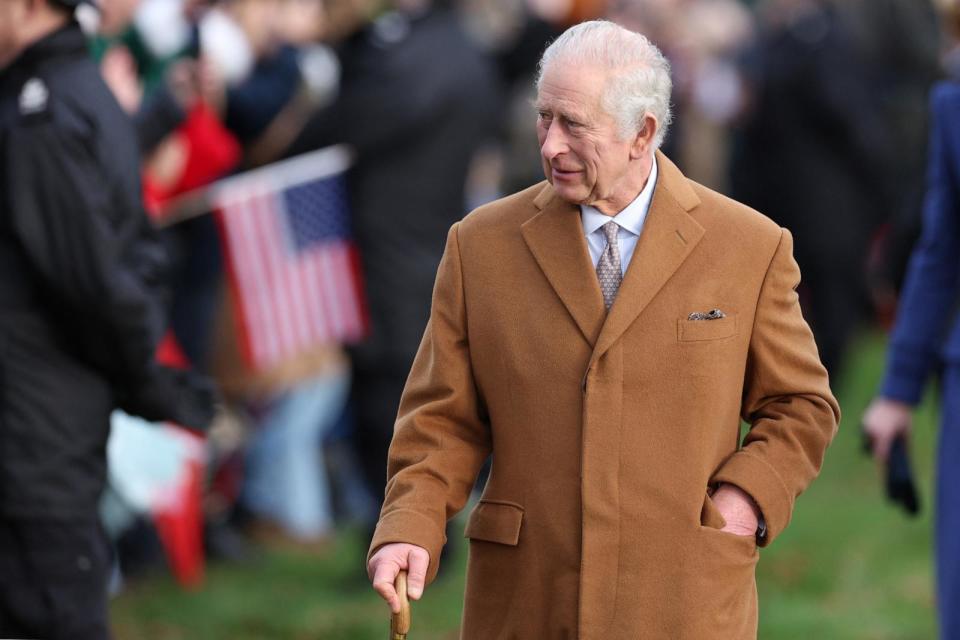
669,236
555,238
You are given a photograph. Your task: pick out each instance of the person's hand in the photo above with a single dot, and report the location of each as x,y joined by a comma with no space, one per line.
883,421
167,394
738,509
387,562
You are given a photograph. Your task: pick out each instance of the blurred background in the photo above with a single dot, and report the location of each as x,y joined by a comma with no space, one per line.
303,281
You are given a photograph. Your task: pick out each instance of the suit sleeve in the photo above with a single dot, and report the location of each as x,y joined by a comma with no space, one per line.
786,400
932,285
441,437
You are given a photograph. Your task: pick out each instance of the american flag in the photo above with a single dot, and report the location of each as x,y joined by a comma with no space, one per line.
291,261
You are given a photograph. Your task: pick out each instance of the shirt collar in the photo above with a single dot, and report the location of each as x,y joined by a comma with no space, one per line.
631,218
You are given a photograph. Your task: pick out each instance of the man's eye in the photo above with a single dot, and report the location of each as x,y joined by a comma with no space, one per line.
544,115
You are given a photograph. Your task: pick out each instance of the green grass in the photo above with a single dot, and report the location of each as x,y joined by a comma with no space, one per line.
849,567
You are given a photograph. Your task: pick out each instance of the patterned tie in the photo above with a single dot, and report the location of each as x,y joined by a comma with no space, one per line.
608,268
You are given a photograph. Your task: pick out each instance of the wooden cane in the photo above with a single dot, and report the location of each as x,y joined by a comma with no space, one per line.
400,622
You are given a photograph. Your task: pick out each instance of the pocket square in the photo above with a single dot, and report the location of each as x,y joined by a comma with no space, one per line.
713,314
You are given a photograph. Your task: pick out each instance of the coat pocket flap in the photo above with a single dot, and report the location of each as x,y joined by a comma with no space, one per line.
694,330
495,522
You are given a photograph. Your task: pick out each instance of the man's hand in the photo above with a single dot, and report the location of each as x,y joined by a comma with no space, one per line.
181,396
738,509
387,562
883,421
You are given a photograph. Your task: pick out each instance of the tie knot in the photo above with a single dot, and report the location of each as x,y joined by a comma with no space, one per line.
610,230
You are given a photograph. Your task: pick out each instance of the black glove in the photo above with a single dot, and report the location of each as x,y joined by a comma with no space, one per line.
900,486
174,395
898,482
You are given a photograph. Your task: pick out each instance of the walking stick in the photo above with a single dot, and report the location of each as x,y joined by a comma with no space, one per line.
400,622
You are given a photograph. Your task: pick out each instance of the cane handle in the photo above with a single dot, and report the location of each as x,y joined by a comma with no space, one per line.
400,622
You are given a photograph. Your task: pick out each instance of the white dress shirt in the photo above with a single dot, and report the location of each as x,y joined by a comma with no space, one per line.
630,222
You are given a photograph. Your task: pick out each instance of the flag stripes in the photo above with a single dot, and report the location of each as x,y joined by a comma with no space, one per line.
292,264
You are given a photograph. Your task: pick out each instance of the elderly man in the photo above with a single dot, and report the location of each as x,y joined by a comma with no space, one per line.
603,335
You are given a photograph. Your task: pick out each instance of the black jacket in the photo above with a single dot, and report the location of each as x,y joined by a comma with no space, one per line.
80,283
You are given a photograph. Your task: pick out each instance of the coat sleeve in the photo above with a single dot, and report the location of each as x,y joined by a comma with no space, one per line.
932,285
441,437
99,263
786,400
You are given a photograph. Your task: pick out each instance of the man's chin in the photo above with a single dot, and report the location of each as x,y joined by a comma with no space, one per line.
570,193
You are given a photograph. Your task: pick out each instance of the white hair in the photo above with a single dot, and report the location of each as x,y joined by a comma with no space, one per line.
639,83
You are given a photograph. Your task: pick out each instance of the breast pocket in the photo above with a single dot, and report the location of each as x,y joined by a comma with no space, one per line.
710,350
703,330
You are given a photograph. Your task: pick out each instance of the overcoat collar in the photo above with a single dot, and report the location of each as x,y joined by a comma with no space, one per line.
555,238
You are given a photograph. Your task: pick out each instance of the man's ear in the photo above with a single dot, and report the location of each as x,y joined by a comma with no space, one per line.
643,139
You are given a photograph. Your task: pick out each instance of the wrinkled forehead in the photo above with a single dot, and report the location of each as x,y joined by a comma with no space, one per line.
572,85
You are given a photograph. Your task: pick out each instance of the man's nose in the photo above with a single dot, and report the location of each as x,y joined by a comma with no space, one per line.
554,141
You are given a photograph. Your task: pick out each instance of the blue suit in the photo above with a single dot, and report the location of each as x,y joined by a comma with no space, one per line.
927,335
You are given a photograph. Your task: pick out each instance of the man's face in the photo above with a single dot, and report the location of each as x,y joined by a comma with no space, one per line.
12,14
583,154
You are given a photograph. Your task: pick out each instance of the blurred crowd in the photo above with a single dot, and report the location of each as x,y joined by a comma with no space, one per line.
814,112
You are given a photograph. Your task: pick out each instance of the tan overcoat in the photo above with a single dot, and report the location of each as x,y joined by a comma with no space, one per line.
608,429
